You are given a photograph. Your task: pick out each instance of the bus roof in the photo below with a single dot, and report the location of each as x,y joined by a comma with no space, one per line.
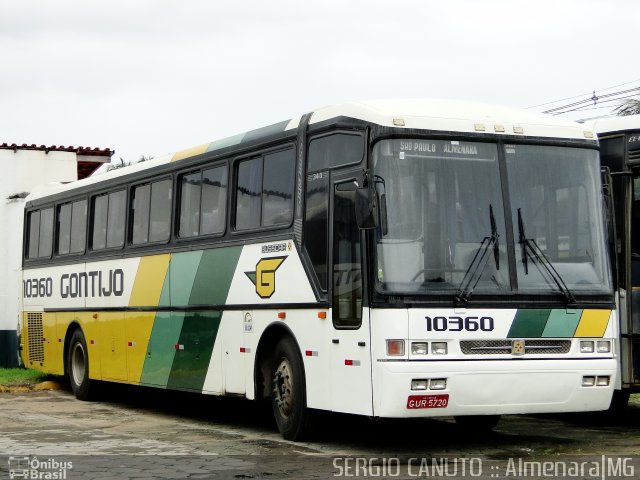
425,114
607,125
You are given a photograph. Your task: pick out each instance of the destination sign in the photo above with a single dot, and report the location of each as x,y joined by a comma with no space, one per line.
445,148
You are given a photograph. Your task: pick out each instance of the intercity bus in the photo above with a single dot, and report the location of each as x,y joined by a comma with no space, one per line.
414,258
620,152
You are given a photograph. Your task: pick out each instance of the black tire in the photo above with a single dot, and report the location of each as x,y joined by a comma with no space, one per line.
619,402
78,367
288,393
478,423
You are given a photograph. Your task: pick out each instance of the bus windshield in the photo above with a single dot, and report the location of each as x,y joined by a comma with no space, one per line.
446,228
556,208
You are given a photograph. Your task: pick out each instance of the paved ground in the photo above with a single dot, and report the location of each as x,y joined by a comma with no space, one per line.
146,433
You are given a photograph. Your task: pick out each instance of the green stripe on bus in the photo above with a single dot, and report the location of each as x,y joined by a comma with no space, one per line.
182,270
191,362
562,323
529,323
213,278
225,142
165,294
161,350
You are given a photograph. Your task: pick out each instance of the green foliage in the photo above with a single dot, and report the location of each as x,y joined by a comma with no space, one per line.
630,106
22,376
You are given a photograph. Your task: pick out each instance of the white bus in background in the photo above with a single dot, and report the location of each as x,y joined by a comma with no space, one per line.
413,258
620,152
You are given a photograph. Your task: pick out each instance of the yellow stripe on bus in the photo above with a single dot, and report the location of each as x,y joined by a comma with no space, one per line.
139,326
149,281
593,323
190,152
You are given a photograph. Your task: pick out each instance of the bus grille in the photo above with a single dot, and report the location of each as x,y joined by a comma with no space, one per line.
35,338
634,154
497,347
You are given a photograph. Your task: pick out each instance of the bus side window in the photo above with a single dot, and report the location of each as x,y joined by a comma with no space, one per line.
78,227
335,150
64,229
277,188
45,240
34,234
108,220
264,190
326,151
316,224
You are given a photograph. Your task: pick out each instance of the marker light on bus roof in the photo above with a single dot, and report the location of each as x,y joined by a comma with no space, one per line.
479,127
588,134
498,128
586,346
398,122
603,346
518,130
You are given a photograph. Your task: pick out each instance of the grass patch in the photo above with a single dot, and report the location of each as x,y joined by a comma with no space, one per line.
22,376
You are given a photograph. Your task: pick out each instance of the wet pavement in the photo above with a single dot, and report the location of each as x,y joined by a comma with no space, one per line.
146,433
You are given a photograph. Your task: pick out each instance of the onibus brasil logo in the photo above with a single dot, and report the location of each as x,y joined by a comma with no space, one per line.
264,276
32,467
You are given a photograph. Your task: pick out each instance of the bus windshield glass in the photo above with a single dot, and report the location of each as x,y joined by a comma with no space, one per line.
556,207
443,199
445,219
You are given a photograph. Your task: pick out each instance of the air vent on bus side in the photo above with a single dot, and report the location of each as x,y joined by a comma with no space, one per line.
634,154
35,338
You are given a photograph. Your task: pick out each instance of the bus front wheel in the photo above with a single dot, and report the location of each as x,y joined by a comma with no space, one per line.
78,366
288,394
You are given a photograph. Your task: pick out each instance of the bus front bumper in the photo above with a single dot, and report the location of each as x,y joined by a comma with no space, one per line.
491,387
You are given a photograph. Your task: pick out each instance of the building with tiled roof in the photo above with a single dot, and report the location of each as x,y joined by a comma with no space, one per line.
24,167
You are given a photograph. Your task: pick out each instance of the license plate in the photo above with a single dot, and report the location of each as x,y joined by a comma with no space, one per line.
427,401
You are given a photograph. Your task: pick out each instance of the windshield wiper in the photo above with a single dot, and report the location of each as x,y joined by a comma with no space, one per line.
531,249
476,267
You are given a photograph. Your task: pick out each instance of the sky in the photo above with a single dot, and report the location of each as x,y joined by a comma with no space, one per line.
150,77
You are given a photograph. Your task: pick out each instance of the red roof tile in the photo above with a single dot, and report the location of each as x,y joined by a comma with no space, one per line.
106,152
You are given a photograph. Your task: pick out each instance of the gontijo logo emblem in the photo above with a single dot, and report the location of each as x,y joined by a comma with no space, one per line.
264,277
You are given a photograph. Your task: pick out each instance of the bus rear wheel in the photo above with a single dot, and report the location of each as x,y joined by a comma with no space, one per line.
78,366
288,394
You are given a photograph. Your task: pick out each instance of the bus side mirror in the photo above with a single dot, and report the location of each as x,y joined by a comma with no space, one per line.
366,208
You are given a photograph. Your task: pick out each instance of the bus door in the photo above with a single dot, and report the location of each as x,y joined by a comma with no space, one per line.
350,373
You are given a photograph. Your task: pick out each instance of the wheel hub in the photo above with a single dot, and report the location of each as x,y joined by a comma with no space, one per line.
283,388
78,364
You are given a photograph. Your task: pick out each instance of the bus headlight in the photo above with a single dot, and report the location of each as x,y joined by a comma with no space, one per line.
439,348
603,346
588,381
586,346
420,384
419,348
602,381
438,384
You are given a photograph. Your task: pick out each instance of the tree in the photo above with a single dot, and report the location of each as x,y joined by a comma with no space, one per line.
631,106
122,163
